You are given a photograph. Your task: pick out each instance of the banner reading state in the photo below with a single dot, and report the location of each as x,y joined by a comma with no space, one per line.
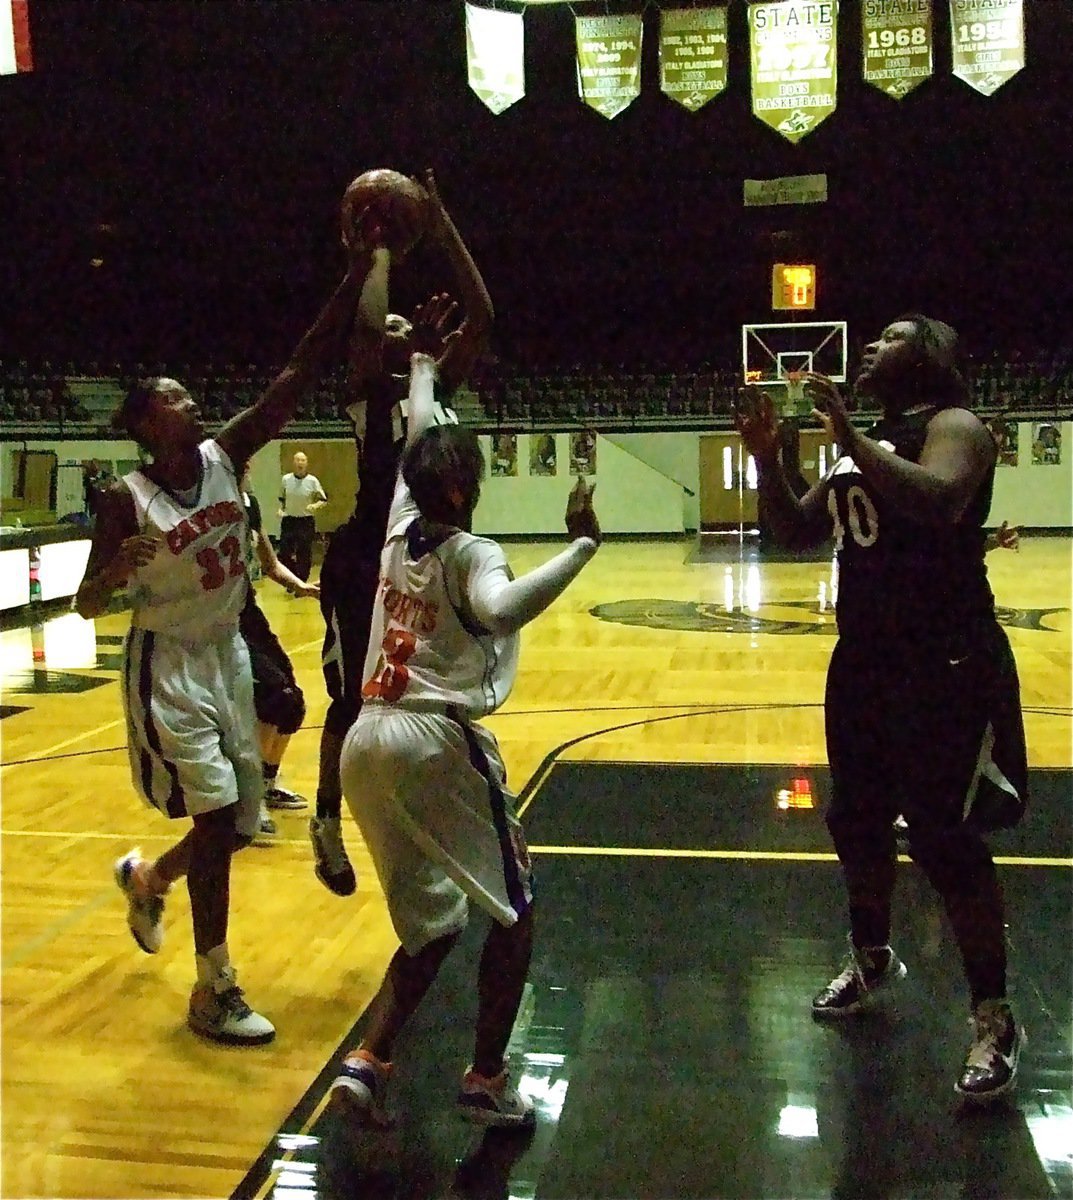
793,47
692,54
896,44
609,62
495,53
988,41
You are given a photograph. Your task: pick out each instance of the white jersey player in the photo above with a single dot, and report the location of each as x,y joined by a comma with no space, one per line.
176,533
425,783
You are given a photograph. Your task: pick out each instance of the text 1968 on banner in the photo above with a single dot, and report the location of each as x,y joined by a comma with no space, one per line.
896,44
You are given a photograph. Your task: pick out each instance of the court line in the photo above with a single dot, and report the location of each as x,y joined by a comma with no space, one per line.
79,737
760,855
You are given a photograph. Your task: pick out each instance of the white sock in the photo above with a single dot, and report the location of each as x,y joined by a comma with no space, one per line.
214,966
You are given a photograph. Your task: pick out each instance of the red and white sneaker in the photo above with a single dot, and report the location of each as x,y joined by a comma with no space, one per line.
360,1086
494,1101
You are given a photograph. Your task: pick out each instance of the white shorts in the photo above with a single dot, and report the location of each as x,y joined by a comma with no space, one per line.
191,727
429,795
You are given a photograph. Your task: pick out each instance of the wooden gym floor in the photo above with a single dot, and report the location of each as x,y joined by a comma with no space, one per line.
685,920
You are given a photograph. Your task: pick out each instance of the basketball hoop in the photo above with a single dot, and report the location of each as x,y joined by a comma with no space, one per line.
795,403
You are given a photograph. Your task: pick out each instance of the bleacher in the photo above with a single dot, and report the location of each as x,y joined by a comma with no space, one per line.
76,400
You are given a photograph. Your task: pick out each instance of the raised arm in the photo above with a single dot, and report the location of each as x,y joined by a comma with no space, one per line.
503,605
257,425
463,347
796,523
117,549
272,568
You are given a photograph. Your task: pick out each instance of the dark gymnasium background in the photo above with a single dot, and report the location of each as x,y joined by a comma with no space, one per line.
199,150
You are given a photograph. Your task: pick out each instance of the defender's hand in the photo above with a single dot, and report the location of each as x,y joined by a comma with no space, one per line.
581,518
754,416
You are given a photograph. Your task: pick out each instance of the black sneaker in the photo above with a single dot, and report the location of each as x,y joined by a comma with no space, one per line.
860,980
991,1064
331,866
281,797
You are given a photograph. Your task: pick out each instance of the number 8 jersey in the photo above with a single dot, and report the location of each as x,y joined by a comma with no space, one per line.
194,587
897,576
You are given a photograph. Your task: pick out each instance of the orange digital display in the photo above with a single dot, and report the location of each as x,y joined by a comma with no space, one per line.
793,286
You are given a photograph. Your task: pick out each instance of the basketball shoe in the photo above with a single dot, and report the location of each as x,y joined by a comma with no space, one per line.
332,866
145,911
281,797
867,972
218,1011
360,1087
493,1100
991,1064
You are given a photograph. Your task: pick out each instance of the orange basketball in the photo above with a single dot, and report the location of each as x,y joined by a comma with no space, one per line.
392,202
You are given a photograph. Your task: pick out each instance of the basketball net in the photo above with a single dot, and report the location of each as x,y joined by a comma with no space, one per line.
795,404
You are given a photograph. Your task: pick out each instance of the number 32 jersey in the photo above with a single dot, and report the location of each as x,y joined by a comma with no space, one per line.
899,577
194,587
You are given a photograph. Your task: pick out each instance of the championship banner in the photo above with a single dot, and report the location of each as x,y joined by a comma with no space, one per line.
793,49
609,62
988,42
15,53
692,54
896,44
495,54
791,189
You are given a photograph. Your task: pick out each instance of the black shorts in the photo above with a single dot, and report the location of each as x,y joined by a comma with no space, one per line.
929,729
348,582
277,698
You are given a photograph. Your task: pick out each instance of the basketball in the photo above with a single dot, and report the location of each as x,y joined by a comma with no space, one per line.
396,203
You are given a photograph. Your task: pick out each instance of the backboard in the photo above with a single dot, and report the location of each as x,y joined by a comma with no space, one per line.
770,351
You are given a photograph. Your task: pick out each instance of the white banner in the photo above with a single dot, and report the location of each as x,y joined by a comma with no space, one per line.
791,189
987,40
495,54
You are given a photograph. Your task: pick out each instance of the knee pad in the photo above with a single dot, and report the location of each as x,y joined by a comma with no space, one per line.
284,709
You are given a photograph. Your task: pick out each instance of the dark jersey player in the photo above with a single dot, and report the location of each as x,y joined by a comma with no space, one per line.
922,704
378,382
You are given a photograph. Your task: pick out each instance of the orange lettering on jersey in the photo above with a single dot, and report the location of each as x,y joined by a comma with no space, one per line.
226,512
406,609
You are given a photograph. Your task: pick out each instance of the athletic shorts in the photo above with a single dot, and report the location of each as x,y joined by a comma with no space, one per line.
930,730
429,795
191,731
275,689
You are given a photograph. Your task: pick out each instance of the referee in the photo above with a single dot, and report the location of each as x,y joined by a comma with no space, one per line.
300,497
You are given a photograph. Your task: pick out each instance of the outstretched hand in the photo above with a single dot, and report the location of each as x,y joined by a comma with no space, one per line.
754,416
829,408
581,518
431,325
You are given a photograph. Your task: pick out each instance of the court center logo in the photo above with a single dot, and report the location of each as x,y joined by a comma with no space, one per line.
808,617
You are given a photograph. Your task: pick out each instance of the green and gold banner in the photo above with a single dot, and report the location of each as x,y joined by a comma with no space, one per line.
495,53
896,44
609,62
793,46
988,41
692,54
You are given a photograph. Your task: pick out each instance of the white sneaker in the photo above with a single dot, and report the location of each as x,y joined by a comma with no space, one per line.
332,866
218,1011
494,1101
991,1065
145,912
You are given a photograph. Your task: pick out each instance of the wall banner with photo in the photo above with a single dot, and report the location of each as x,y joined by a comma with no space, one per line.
1005,434
583,453
542,454
1046,444
503,460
